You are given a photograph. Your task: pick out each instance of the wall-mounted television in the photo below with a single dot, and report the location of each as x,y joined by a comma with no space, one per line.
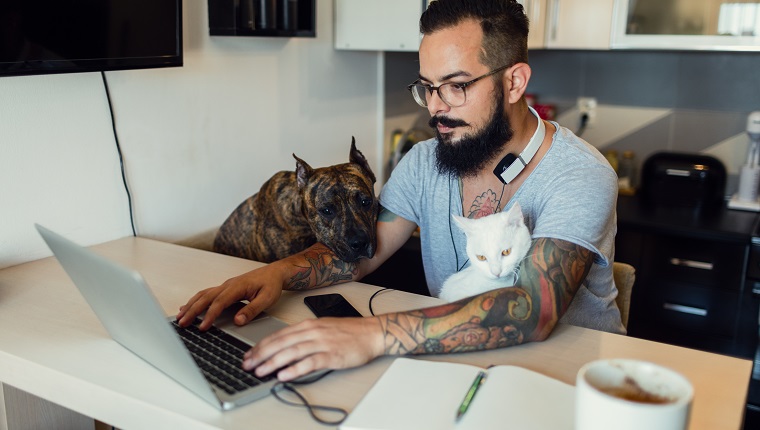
70,36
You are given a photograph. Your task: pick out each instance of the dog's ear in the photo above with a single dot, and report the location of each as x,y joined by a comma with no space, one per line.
357,157
303,172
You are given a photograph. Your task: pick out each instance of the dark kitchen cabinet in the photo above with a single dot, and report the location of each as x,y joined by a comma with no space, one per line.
697,281
264,18
691,276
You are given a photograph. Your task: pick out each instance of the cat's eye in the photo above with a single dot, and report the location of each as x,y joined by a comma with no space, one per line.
481,257
506,252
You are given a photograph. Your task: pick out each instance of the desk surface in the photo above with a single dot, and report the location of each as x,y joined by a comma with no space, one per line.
52,345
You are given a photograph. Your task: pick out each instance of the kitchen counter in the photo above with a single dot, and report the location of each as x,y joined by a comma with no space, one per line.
721,223
638,220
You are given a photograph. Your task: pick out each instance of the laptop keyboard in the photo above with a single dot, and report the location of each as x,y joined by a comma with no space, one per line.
219,356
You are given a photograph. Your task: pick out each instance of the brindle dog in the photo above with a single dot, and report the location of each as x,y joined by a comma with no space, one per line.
334,205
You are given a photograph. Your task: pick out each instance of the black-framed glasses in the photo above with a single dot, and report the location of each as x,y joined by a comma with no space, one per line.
452,93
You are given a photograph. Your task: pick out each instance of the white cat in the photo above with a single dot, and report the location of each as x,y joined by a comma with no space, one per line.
496,245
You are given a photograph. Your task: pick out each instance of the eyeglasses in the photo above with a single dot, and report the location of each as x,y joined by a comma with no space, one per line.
452,93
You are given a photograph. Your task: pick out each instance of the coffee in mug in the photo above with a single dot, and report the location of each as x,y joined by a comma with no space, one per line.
631,394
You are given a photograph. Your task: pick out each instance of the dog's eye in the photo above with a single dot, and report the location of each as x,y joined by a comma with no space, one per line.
366,203
506,252
328,211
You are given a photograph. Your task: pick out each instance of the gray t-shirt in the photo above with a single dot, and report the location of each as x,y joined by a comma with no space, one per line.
571,195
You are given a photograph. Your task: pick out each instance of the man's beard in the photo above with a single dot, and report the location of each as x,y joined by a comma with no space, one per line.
471,153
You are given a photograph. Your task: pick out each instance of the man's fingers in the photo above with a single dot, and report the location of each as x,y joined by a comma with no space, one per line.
224,297
212,312
308,346
303,367
184,308
274,351
194,307
249,311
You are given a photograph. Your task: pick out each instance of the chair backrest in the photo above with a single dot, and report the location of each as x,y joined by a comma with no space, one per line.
624,275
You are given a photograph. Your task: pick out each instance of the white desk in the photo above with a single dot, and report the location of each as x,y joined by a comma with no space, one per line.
52,346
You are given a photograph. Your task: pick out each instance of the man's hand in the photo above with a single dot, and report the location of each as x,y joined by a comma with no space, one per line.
316,344
262,287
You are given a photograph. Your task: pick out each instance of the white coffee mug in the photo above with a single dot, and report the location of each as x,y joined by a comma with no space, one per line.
625,394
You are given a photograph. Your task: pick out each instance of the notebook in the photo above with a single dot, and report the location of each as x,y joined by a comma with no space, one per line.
123,302
419,394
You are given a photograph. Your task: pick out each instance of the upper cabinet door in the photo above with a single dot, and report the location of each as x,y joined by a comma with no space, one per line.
535,10
726,25
579,24
378,25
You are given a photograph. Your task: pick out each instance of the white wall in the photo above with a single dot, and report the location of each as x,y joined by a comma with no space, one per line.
197,140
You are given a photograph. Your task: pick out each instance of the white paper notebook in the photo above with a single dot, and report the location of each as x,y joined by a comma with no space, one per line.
418,394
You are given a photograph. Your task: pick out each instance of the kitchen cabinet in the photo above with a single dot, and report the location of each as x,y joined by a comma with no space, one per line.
578,24
535,10
731,25
393,25
264,18
388,25
691,268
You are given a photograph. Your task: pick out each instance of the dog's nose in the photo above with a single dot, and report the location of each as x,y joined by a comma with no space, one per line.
358,245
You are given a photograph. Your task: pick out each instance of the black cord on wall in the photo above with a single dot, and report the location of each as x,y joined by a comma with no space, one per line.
121,157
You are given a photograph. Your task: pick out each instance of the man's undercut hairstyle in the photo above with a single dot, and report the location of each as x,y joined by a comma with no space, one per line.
504,25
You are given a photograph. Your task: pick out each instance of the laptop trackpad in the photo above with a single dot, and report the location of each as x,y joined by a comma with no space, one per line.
261,326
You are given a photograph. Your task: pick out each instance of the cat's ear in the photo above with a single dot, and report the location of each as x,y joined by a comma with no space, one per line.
462,222
515,215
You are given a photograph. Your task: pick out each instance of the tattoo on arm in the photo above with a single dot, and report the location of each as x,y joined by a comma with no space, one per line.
385,215
529,311
402,332
556,270
320,267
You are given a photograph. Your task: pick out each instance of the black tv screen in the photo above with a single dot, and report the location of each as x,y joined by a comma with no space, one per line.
68,36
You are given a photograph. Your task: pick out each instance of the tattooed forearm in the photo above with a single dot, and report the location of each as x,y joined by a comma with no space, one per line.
459,326
319,267
498,318
402,332
556,270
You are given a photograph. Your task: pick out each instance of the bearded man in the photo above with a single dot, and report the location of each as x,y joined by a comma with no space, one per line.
490,151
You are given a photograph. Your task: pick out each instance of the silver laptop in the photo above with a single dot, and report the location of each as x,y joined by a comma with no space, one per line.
124,304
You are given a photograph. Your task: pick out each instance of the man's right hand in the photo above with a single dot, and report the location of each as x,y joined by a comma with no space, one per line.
262,287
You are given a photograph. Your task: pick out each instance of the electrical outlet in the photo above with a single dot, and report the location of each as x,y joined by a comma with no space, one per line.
587,105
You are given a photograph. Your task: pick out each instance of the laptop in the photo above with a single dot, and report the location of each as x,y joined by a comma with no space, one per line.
123,302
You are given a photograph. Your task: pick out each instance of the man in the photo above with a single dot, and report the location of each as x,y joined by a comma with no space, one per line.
473,74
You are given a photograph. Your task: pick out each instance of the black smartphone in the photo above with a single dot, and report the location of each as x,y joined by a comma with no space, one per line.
330,305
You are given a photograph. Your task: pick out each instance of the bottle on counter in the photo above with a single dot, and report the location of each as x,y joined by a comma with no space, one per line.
627,173
612,158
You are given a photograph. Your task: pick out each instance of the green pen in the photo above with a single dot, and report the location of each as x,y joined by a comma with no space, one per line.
471,393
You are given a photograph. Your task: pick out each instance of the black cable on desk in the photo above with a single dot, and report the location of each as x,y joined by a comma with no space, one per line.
301,400
372,297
